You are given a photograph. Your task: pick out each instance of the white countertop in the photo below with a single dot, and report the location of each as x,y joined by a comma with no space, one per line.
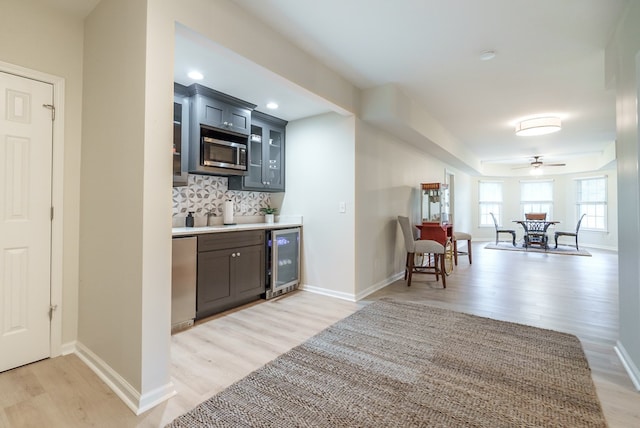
188,231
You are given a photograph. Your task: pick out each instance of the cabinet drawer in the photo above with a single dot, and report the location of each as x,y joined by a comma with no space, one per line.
220,241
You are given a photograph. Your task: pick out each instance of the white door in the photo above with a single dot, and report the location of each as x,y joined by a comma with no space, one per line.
25,219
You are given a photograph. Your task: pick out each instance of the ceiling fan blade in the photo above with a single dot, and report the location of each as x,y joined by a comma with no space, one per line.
555,164
521,167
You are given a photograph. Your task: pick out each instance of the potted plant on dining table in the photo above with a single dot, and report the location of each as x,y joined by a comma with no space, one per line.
268,213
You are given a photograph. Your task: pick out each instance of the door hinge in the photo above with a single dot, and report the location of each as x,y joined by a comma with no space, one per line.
51,213
51,309
53,110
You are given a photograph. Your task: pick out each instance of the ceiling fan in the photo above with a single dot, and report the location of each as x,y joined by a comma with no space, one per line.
536,163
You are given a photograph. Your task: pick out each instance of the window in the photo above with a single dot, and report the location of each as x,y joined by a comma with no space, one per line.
591,199
537,197
490,200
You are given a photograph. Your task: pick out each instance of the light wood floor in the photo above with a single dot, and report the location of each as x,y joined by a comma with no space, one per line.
573,294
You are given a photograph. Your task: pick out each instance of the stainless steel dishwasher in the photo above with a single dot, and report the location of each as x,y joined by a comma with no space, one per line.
183,282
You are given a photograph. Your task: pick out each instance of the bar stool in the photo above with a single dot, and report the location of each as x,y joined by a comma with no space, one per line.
461,236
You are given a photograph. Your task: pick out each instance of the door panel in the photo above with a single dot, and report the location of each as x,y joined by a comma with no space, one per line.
25,219
248,272
214,286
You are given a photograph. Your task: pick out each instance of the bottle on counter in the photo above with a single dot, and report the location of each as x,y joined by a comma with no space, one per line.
188,222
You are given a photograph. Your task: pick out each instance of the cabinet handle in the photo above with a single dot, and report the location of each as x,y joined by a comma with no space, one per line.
230,124
238,254
233,254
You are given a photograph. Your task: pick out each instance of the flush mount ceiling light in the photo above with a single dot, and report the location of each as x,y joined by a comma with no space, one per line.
272,106
195,75
487,55
538,126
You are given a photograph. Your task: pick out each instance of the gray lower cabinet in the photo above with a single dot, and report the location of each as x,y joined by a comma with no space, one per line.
231,270
266,156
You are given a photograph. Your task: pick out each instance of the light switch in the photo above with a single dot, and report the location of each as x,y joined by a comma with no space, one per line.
342,207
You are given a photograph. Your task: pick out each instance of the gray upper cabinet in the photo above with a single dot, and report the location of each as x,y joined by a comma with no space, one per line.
218,110
266,156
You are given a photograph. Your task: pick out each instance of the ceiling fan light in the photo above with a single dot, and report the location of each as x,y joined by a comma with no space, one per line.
536,170
538,126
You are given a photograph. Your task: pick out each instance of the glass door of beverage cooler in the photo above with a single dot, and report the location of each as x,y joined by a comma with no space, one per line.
285,261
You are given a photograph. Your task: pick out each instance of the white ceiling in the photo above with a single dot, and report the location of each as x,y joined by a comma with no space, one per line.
549,59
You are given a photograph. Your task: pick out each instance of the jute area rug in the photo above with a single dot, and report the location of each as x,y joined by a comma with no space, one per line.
399,364
562,249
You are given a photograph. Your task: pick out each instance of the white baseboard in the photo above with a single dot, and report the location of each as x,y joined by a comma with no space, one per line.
629,366
348,296
138,403
380,285
68,348
326,292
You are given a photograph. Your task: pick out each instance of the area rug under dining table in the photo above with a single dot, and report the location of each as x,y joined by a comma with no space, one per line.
562,249
406,364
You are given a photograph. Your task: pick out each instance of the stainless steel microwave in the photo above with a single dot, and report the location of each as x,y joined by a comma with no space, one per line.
222,153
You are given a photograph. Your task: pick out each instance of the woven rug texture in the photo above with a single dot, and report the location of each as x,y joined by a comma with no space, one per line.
562,249
404,364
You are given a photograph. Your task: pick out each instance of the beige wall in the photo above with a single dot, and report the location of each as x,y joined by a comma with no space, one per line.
623,65
388,176
230,26
319,175
125,239
37,36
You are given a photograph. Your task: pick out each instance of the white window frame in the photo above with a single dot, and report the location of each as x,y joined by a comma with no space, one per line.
536,205
595,209
487,205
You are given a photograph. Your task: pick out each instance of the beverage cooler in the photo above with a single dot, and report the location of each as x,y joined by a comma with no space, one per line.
283,261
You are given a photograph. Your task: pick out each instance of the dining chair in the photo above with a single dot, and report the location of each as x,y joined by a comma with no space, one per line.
421,246
461,236
575,234
500,230
535,216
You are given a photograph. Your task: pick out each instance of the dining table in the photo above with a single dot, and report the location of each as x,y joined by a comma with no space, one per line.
535,232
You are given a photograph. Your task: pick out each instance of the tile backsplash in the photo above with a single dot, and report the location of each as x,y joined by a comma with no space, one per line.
206,194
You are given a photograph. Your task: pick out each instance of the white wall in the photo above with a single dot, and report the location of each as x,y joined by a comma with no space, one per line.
320,159
623,67
35,35
564,208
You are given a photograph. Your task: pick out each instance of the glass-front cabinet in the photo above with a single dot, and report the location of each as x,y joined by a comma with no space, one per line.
180,136
266,156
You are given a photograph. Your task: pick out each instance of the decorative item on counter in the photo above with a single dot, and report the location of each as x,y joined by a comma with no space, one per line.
268,213
227,212
188,222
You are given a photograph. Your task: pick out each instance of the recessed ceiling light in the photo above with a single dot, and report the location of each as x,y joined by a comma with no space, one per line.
195,75
272,105
487,55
